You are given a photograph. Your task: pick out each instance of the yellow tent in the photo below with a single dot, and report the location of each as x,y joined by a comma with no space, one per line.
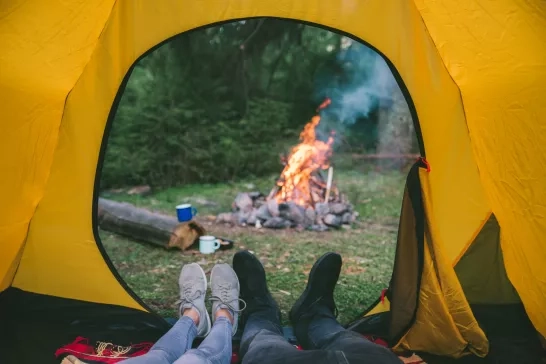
472,227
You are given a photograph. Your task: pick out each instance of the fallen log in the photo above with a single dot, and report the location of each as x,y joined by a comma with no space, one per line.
145,226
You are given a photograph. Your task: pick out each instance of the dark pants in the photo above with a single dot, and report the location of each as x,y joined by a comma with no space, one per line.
263,343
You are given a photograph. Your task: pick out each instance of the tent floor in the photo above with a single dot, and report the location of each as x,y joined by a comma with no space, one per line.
34,326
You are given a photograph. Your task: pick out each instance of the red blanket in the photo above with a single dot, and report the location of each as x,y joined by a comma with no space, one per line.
102,352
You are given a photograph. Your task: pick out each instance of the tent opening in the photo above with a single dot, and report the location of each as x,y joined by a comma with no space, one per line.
214,114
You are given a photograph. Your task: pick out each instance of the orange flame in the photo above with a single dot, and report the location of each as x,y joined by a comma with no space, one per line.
304,159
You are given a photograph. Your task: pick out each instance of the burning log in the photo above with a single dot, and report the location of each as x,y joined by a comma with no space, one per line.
301,197
273,192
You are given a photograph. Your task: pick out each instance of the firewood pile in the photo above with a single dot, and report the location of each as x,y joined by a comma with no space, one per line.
258,210
302,197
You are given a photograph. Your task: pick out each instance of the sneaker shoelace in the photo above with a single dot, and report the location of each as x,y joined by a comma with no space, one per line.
225,300
188,294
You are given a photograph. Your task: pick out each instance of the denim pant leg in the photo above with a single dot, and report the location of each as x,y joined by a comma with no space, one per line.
267,347
215,349
259,334
255,323
322,328
263,342
326,333
170,346
357,349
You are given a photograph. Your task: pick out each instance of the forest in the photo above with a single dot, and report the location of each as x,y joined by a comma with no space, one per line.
222,103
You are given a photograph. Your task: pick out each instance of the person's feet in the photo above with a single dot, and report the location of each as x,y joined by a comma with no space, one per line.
320,288
224,287
254,289
193,287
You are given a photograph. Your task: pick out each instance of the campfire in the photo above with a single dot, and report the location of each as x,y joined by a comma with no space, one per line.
302,196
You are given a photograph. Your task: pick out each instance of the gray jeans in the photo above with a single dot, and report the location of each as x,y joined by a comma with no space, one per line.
263,343
175,346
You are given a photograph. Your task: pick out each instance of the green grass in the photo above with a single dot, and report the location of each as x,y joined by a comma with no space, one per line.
367,248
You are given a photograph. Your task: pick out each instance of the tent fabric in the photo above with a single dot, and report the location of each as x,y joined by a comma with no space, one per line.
484,259
442,303
475,71
406,276
495,52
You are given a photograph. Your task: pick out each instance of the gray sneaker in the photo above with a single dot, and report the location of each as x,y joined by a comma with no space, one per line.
193,287
224,287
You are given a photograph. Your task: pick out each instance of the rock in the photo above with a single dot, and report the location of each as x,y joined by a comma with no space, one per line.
291,211
255,195
318,227
347,218
310,216
252,218
242,217
277,223
262,212
243,202
225,218
354,215
322,209
259,202
338,208
273,207
332,220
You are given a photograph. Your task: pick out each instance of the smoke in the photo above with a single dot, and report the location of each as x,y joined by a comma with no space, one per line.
358,83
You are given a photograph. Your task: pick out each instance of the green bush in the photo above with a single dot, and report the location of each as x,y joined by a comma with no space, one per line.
162,134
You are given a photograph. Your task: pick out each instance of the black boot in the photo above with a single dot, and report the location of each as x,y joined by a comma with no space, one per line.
254,289
318,297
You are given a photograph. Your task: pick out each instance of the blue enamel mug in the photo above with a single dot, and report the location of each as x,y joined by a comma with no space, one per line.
185,212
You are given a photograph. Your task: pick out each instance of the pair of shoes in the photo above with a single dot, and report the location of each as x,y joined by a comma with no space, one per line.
319,291
225,294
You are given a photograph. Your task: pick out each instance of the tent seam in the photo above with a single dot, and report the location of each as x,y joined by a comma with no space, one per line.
472,239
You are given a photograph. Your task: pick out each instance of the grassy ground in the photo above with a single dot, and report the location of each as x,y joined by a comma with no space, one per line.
367,248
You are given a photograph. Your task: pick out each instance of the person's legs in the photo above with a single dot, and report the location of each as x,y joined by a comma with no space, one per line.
217,346
263,340
194,320
315,324
170,346
262,317
325,332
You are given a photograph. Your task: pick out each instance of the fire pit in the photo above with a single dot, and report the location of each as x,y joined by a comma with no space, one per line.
302,197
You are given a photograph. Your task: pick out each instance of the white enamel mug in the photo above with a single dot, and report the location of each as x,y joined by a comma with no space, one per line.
208,244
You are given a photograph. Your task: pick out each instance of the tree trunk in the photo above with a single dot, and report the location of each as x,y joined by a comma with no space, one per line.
149,227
